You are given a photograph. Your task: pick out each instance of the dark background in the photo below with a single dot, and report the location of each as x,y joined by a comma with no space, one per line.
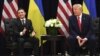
50,9
49,6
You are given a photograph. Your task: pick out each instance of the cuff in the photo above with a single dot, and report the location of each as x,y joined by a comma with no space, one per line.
77,37
85,39
21,33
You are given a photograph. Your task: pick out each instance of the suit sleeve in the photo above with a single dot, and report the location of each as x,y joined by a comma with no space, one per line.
90,30
30,26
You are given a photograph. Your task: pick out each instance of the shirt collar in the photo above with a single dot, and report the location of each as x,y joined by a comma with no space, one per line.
23,19
80,16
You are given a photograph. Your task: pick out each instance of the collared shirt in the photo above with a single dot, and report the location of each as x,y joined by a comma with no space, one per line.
24,19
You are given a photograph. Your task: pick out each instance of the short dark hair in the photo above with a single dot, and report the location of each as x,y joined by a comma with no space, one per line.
21,9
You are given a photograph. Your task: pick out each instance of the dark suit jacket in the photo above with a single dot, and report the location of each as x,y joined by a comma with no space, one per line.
86,26
18,27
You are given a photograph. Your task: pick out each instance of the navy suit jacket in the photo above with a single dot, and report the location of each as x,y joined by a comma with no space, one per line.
86,26
18,27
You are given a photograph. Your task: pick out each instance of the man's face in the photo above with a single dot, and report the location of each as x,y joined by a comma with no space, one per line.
77,11
21,13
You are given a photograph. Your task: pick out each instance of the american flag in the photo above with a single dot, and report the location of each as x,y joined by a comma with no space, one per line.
63,12
10,8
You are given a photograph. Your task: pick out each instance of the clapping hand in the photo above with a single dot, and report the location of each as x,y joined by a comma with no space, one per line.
33,34
23,32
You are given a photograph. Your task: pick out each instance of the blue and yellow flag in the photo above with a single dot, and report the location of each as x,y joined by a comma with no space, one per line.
39,4
89,7
35,13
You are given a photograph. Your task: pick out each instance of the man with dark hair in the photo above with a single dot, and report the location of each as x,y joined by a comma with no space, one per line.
23,32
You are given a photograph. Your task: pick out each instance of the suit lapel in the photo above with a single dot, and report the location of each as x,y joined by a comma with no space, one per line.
19,23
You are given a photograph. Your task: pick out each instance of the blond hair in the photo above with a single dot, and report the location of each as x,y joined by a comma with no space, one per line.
78,6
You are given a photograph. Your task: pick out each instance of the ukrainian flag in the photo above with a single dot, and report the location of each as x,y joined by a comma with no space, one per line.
35,13
89,7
